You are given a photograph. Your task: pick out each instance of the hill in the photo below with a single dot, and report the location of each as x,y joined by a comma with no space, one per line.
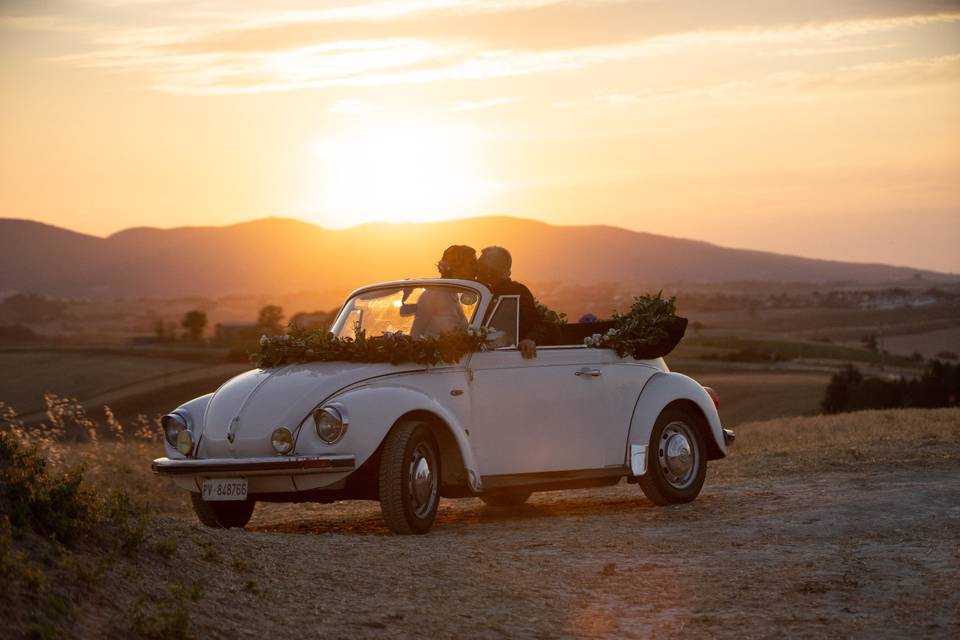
282,256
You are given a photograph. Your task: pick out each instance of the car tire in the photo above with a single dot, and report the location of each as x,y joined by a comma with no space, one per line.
223,515
511,499
409,478
676,458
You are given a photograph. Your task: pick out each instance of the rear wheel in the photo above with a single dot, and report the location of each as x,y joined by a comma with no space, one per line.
222,514
511,499
676,458
409,478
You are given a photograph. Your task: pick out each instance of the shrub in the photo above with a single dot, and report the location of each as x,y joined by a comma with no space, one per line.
49,504
849,390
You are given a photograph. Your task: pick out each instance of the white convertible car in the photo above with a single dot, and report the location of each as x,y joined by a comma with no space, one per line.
494,425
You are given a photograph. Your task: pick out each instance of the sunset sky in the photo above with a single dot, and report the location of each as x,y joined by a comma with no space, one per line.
824,128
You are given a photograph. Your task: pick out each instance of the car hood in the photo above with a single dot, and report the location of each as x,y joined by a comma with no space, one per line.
251,405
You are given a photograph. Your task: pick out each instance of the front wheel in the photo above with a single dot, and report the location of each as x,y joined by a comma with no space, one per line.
676,459
409,478
222,514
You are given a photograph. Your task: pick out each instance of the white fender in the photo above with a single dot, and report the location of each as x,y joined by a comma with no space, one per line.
660,390
192,412
374,409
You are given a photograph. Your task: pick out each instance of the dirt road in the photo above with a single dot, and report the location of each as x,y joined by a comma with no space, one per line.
868,554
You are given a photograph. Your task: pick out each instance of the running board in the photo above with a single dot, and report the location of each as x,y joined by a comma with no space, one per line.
556,480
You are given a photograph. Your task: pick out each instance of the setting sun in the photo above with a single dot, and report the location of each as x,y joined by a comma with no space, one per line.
398,172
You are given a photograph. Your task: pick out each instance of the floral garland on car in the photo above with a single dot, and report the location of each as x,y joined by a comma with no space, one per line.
316,345
650,329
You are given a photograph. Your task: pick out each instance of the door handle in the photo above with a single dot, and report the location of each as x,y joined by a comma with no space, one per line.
593,373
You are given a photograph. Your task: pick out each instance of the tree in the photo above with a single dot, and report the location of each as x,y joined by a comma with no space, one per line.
840,388
270,320
194,322
313,320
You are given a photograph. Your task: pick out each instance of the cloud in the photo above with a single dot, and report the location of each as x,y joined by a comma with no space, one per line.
308,50
859,77
47,23
831,51
351,106
482,104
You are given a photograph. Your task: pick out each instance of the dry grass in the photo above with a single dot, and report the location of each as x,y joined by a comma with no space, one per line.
113,455
759,554
848,440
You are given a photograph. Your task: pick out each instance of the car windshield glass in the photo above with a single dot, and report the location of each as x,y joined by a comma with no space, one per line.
418,311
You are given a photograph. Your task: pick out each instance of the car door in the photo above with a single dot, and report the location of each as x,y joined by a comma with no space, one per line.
549,413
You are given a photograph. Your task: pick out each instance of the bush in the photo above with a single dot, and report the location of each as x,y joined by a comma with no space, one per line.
849,390
50,505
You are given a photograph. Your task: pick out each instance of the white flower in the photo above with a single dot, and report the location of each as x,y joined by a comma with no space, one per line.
264,339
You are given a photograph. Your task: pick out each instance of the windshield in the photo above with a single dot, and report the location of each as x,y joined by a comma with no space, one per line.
418,311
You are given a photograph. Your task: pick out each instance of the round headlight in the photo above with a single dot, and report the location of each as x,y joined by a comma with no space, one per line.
185,442
172,425
331,424
282,440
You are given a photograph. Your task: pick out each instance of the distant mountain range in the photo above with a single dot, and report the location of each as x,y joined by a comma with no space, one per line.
276,255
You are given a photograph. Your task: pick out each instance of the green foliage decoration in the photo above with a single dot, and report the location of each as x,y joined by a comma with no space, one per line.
305,345
547,316
650,322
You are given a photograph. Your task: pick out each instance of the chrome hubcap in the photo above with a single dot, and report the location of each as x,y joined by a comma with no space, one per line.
678,455
423,481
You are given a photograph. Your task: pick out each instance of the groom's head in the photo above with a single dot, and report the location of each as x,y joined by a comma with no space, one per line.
493,266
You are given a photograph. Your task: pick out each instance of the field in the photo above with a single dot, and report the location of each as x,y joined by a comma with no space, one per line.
747,396
841,526
928,344
131,383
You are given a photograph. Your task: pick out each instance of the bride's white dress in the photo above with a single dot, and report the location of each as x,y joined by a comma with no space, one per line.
437,312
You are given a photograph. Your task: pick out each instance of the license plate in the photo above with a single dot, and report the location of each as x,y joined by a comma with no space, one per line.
225,489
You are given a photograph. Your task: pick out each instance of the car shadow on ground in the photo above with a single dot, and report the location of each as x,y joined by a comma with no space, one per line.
363,518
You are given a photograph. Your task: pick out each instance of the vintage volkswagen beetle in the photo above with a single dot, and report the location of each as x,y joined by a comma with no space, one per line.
493,425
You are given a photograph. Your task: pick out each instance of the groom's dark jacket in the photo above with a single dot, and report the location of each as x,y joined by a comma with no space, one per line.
529,318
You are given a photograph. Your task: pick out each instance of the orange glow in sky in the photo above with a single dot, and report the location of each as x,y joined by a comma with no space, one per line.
824,129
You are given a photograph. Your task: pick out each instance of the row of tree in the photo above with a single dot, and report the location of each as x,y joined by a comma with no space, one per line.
270,321
850,390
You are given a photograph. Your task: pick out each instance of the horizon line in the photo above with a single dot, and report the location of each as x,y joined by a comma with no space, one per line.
299,220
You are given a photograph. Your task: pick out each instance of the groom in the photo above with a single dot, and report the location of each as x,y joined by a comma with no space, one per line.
493,270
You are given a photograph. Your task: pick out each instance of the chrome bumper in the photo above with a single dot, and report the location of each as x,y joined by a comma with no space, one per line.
729,436
274,465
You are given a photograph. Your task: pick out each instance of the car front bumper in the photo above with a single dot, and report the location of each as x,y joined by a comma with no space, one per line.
266,466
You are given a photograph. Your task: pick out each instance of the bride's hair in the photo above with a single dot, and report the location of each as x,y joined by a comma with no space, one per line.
456,256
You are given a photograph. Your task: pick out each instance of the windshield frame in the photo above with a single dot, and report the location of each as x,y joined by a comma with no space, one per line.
479,312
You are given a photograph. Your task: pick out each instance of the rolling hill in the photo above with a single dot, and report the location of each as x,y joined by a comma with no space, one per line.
282,255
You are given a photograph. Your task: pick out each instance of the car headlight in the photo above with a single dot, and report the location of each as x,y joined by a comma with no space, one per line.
185,442
173,424
282,440
331,423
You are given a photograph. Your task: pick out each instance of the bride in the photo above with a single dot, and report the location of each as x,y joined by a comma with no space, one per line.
439,310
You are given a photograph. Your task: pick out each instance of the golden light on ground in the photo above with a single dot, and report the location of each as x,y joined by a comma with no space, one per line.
398,172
